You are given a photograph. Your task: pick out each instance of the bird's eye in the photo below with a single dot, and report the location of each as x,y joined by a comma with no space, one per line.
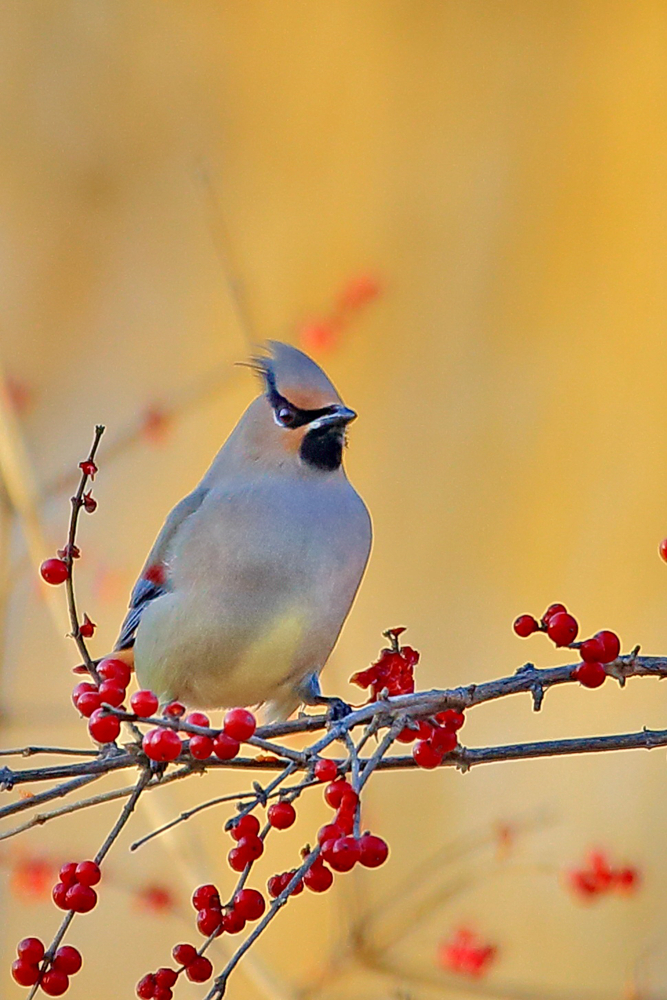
285,415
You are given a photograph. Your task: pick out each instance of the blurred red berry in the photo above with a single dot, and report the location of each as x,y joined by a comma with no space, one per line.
239,724
525,625
358,291
562,629
54,571
663,549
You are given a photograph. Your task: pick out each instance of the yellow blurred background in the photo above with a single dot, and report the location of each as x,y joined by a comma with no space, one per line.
180,179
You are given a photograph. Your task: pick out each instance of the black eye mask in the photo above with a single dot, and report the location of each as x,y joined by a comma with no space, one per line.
286,413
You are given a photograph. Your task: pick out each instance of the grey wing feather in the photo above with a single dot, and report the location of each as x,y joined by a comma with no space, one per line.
145,590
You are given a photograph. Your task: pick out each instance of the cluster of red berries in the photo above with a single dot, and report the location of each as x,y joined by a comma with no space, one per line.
247,904
88,699
598,877
466,955
26,972
393,671
434,738
601,649
318,878
157,985
249,844
163,744
75,890
340,849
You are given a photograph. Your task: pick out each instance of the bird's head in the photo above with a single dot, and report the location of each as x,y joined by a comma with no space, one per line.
299,416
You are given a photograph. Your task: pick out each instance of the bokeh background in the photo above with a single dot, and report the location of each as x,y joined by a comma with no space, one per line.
181,179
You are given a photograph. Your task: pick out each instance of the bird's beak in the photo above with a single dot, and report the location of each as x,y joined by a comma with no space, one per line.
340,416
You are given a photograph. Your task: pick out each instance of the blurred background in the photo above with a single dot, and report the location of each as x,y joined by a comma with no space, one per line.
460,210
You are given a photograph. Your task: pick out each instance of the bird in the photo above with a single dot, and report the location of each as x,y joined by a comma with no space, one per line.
248,584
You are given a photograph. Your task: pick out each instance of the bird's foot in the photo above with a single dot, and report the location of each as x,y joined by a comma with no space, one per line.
337,708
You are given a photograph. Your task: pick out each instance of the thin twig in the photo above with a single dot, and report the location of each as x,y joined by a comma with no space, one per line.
56,751
48,796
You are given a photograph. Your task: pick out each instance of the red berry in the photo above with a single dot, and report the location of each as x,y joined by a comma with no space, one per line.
225,747
80,898
54,571
590,675
374,851
146,987
422,732
111,694
525,625
88,702
88,873
562,629
325,769
25,973
591,651
451,719
54,983
233,922
83,687
287,878
112,669
209,922
68,873
611,645
345,817
206,897
103,728
329,832
237,859
443,740
58,894
319,878
344,854
68,960
240,724
281,815
249,903
87,628
184,953
199,970
627,879
246,826
553,609
174,710
144,703
162,993
337,791
252,846
201,747
275,885
31,950
161,744
426,755
198,719
166,977
663,549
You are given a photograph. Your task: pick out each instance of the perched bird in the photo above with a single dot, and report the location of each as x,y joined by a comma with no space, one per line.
247,586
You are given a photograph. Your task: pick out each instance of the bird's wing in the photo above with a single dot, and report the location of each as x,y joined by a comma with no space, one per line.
154,580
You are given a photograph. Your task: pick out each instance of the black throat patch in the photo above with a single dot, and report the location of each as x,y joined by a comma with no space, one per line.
322,448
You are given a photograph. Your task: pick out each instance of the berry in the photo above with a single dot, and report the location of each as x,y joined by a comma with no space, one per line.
249,903
591,650
206,897
329,832
627,879
553,609
662,549
103,728
590,675
87,628
422,732
54,983
562,629
199,970
275,885
161,744
165,977
345,817
83,687
174,710
146,987
54,571
115,670
325,769
337,791
319,878
233,922
209,922
451,719
144,703
246,826
88,702
184,953
58,894
252,846
374,851
111,694
80,898
87,873
31,950
611,645
201,747
68,960
237,859
240,724
225,747
344,854
25,973
426,755
443,740
68,873
525,625
281,815
198,719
